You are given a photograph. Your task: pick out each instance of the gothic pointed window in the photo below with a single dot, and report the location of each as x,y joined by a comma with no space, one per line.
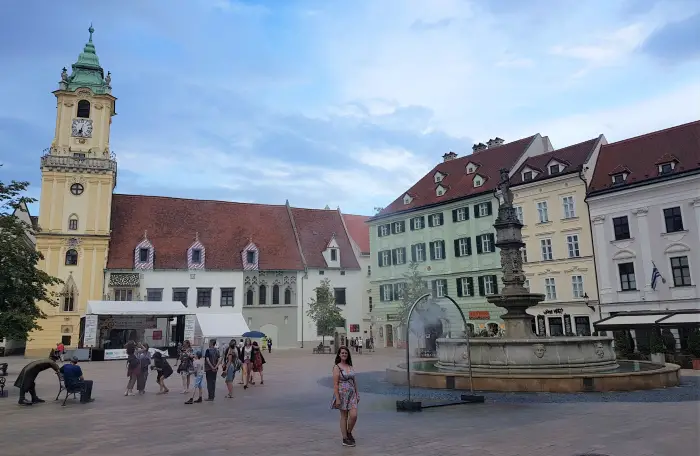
275,294
71,257
287,296
249,297
263,295
84,109
68,296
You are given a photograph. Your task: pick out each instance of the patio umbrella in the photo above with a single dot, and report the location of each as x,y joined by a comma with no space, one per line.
254,334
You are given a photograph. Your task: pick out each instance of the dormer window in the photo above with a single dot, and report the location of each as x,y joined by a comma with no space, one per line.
250,257
527,176
143,255
471,168
196,256
478,181
438,177
407,199
666,168
619,178
553,169
440,190
334,254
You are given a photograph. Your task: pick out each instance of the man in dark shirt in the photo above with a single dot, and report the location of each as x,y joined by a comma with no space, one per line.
211,366
72,374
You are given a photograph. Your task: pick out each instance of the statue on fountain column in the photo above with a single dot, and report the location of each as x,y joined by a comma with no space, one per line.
504,188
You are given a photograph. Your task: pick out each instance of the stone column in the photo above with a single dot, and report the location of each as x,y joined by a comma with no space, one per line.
601,255
645,246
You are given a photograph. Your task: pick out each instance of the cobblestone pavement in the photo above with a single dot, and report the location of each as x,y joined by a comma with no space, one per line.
289,415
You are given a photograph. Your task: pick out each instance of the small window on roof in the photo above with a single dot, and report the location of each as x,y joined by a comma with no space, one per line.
666,168
440,190
478,181
438,177
527,176
619,178
554,169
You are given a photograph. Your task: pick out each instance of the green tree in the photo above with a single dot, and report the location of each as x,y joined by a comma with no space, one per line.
414,288
22,283
324,312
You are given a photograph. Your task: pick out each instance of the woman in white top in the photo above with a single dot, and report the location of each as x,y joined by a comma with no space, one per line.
247,362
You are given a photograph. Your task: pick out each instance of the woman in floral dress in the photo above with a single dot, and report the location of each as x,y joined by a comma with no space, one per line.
186,365
345,394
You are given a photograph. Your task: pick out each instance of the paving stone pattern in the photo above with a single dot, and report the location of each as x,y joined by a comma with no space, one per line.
290,415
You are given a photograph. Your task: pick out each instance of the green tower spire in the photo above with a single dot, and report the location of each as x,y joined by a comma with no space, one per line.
86,71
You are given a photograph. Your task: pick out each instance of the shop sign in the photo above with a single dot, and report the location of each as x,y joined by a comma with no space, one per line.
553,311
479,315
354,328
190,321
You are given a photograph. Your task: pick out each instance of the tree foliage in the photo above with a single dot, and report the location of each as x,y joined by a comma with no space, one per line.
414,288
323,311
22,283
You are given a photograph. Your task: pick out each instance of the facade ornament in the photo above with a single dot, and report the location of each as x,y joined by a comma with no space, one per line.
68,104
108,79
99,106
599,351
598,219
504,188
540,349
64,75
641,212
695,202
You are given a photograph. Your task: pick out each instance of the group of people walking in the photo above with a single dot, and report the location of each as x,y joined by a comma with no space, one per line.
195,368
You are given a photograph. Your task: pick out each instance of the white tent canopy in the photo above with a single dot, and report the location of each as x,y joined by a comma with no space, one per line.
642,319
158,308
221,325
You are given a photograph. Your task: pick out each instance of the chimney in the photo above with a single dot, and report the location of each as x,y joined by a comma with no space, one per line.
495,142
449,156
478,147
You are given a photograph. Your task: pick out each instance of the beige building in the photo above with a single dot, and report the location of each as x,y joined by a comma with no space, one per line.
550,196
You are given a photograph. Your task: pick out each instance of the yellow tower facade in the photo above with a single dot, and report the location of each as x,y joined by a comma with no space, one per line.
78,176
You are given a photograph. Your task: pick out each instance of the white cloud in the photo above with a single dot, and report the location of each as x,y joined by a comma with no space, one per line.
516,62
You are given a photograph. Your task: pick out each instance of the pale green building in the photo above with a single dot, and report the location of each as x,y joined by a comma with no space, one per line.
444,223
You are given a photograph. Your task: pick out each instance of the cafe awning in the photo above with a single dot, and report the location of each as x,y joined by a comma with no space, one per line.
631,320
158,308
222,325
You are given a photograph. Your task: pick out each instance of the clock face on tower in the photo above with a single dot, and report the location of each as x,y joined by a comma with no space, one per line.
82,128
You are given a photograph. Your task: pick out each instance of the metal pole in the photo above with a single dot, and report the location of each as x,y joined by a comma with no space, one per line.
466,335
408,350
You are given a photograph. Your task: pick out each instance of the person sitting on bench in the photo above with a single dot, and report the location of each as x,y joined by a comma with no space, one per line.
73,380
27,376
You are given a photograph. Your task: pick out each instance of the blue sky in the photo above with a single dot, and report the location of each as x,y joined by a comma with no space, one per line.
342,103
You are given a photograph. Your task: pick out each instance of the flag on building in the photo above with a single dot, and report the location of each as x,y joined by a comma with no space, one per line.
655,276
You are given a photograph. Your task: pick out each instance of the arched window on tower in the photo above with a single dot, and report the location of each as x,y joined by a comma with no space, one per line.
275,294
249,297
73,222
71,257
84,109
69,300
287,296
262,299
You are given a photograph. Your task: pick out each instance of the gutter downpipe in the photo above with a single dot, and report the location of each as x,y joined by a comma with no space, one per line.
595,264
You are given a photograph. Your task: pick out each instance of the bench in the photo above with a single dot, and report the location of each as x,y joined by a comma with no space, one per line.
3,369
62,387
321,349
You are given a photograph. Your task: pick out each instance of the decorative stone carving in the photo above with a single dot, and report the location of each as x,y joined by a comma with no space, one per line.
68,103
79,179
128,279
598,219
84,92
64,74
695,202
81,140
108,79
465,355
641,212
99,106
540,349
599,351
73,242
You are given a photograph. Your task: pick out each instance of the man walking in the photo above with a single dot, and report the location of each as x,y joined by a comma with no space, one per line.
211,366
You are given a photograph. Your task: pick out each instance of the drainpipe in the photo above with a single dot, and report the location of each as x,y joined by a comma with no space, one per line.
305,276
595,265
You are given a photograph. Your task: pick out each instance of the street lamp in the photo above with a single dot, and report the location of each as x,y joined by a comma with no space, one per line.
586,299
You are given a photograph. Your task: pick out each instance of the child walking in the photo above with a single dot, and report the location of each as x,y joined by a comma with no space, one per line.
198,365
233,365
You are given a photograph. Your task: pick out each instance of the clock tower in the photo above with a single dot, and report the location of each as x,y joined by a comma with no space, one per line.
78,175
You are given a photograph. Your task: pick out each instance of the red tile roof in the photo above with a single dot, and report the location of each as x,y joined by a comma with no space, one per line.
640,156
358,230
572,157
224,228
316,227
460,183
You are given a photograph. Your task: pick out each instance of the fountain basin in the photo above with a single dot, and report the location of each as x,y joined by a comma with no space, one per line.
555,355
628,376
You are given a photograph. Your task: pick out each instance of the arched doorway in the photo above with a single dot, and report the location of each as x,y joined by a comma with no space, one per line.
389,331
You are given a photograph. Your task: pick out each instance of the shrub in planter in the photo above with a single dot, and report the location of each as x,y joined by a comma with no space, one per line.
669,340
694,348
624,344
656,343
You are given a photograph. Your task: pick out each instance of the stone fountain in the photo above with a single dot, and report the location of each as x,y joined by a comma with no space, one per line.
520,350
